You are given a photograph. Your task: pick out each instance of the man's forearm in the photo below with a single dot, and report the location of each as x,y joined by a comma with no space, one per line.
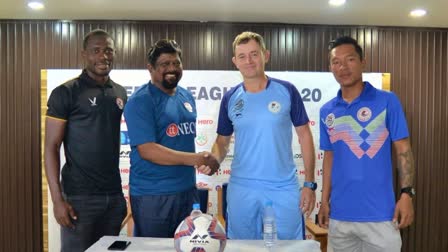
52,167
308,152
326,177
406,168
309,159
163,155
221,147
220,152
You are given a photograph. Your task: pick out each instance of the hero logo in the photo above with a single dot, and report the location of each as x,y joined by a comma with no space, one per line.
186,128
205,122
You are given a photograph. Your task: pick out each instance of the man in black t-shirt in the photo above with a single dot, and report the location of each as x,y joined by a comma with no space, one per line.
84,114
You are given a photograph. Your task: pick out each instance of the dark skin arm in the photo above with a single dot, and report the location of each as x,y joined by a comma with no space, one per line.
159,154
54,135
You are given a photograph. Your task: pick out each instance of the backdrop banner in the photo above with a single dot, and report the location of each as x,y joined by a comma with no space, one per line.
208,88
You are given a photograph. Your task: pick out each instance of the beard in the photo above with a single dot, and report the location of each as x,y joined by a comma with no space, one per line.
171,82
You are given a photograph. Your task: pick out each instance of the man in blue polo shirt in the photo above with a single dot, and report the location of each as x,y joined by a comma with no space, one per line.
357,131
161,121
261,112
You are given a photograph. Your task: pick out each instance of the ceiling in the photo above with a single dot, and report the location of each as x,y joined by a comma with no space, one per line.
354,12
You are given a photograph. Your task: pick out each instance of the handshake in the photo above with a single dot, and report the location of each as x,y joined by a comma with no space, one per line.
206,163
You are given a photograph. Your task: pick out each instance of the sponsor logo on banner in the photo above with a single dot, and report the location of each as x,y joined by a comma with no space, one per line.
202,185
205,122
124,170
201,139
124,138
125,154
223,171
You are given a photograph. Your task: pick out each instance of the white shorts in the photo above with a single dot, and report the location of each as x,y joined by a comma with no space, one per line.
364,236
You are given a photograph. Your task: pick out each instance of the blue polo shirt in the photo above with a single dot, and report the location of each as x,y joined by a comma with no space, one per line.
262,123
361,134
154,116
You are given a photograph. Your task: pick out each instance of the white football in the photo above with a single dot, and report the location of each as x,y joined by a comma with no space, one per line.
200,234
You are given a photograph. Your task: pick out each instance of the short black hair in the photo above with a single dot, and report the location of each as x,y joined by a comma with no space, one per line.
346,40
160,47
96,32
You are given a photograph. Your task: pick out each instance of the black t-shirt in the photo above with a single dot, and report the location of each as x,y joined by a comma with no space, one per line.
92,135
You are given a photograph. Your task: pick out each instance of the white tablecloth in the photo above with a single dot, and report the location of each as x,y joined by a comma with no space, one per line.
167,244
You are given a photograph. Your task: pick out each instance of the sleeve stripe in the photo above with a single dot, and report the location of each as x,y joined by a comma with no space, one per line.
55,118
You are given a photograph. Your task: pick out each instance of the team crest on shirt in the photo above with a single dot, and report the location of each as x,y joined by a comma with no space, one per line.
119,102
364,114
329,120
274,107
188,107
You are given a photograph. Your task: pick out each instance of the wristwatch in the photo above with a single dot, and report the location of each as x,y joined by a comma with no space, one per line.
310,185
409,190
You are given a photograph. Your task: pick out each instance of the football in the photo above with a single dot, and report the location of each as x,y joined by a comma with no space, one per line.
200,234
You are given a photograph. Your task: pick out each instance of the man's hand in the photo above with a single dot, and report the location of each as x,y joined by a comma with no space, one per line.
64,213
404,211
324,215
307,201
207,164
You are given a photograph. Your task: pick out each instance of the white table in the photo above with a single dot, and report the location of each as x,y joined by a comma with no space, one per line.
167,245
